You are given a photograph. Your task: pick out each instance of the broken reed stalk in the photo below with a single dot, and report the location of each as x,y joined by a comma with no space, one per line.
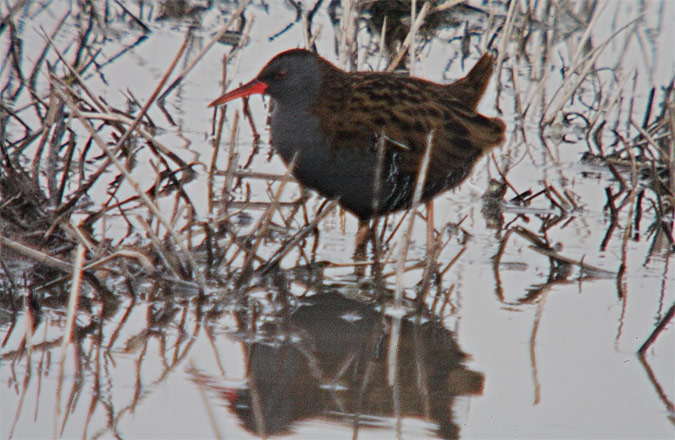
517,102
108,114
664,156
502,174
242,246
253,175
392,353
208,408
452,262
113,116
608,103
134,124
541,247
293,241
377,175
73,300
235,53
575,76
657,331
434,248
135,19
211,244
157,243
409,38
216,144
395,229
37,256
629,221
446,300
417,196
235,16
669,113
49,121
587,32
153,96
260,228
533,343
506,37
232,161
382,43
412,35
141,194
26,347
29,320
347,34
142,259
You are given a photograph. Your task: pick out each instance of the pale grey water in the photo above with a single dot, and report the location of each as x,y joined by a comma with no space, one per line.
588,381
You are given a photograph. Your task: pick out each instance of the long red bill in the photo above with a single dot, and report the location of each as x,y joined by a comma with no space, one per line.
250,88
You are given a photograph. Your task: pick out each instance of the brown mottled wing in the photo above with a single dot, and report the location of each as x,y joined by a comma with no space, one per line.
406,110
460,137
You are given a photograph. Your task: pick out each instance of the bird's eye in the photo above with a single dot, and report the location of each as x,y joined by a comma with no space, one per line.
281,73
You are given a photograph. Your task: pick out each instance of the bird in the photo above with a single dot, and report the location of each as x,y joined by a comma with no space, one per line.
360,137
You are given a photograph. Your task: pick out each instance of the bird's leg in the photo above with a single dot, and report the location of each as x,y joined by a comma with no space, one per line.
361,239
360,247
377,252
430,226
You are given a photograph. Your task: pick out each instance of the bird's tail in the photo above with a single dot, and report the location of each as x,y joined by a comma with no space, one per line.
470,89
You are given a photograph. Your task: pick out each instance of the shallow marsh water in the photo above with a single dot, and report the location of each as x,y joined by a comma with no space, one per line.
511,342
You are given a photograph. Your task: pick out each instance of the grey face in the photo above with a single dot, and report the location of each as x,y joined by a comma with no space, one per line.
292,78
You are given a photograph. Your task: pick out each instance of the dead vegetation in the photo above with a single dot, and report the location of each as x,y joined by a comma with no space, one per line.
73,167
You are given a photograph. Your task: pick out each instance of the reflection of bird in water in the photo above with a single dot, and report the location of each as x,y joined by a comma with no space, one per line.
328,359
